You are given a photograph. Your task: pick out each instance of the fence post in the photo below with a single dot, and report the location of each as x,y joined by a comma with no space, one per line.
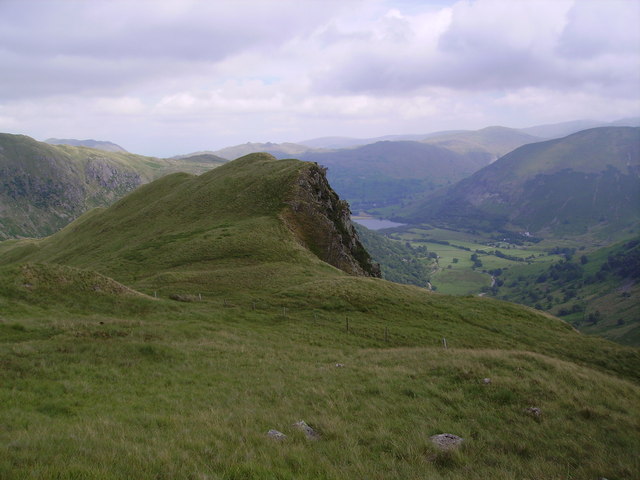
347,323
444,342
386,335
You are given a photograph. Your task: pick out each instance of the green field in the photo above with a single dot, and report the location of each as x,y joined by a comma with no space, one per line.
459,277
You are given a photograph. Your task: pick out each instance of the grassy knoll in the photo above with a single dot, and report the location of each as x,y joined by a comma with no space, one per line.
164,336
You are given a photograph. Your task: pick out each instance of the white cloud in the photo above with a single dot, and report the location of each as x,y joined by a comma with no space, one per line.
167,76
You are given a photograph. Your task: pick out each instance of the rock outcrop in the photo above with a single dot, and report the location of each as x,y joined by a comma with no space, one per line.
322,223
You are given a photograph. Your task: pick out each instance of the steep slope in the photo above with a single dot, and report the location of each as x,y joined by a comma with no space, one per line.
44,187
245,328
399,262
570,185
596,292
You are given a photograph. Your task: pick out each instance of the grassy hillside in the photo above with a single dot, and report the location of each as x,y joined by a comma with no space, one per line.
570,186
44,187
597,292
163,337
399,262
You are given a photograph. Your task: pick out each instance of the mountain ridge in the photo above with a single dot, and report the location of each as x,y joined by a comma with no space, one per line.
43,187
566,184
97,144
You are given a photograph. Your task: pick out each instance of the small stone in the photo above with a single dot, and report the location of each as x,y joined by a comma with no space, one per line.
446,441
486,381
276,435
309,432
535,411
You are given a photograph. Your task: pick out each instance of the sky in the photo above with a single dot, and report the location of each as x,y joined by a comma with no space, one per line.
168,77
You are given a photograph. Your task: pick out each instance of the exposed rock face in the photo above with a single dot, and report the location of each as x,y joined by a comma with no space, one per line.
106,175
322,222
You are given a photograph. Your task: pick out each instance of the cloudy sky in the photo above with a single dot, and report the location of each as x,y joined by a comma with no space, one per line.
164,77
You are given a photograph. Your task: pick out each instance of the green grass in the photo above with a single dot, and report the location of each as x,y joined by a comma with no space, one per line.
193,392
458,277
460,281
101,381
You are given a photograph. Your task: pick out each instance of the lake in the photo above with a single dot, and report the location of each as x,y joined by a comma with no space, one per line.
376,223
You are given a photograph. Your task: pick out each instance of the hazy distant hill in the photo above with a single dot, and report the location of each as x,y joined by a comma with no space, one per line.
43,187
557,130
201,157
97,144
278,150
497,141
335,143
387,173
588,179
488,137
390,173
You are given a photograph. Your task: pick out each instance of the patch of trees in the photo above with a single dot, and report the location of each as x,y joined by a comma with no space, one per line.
513,258
625,263
400,262
477,263
566,251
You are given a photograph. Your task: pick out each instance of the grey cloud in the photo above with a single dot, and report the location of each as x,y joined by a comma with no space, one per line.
480,57
60,47
597,28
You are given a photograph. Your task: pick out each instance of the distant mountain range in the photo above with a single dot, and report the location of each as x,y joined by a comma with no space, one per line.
382,174
278,150
45,185
97,144
590,179
390,173
546,131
